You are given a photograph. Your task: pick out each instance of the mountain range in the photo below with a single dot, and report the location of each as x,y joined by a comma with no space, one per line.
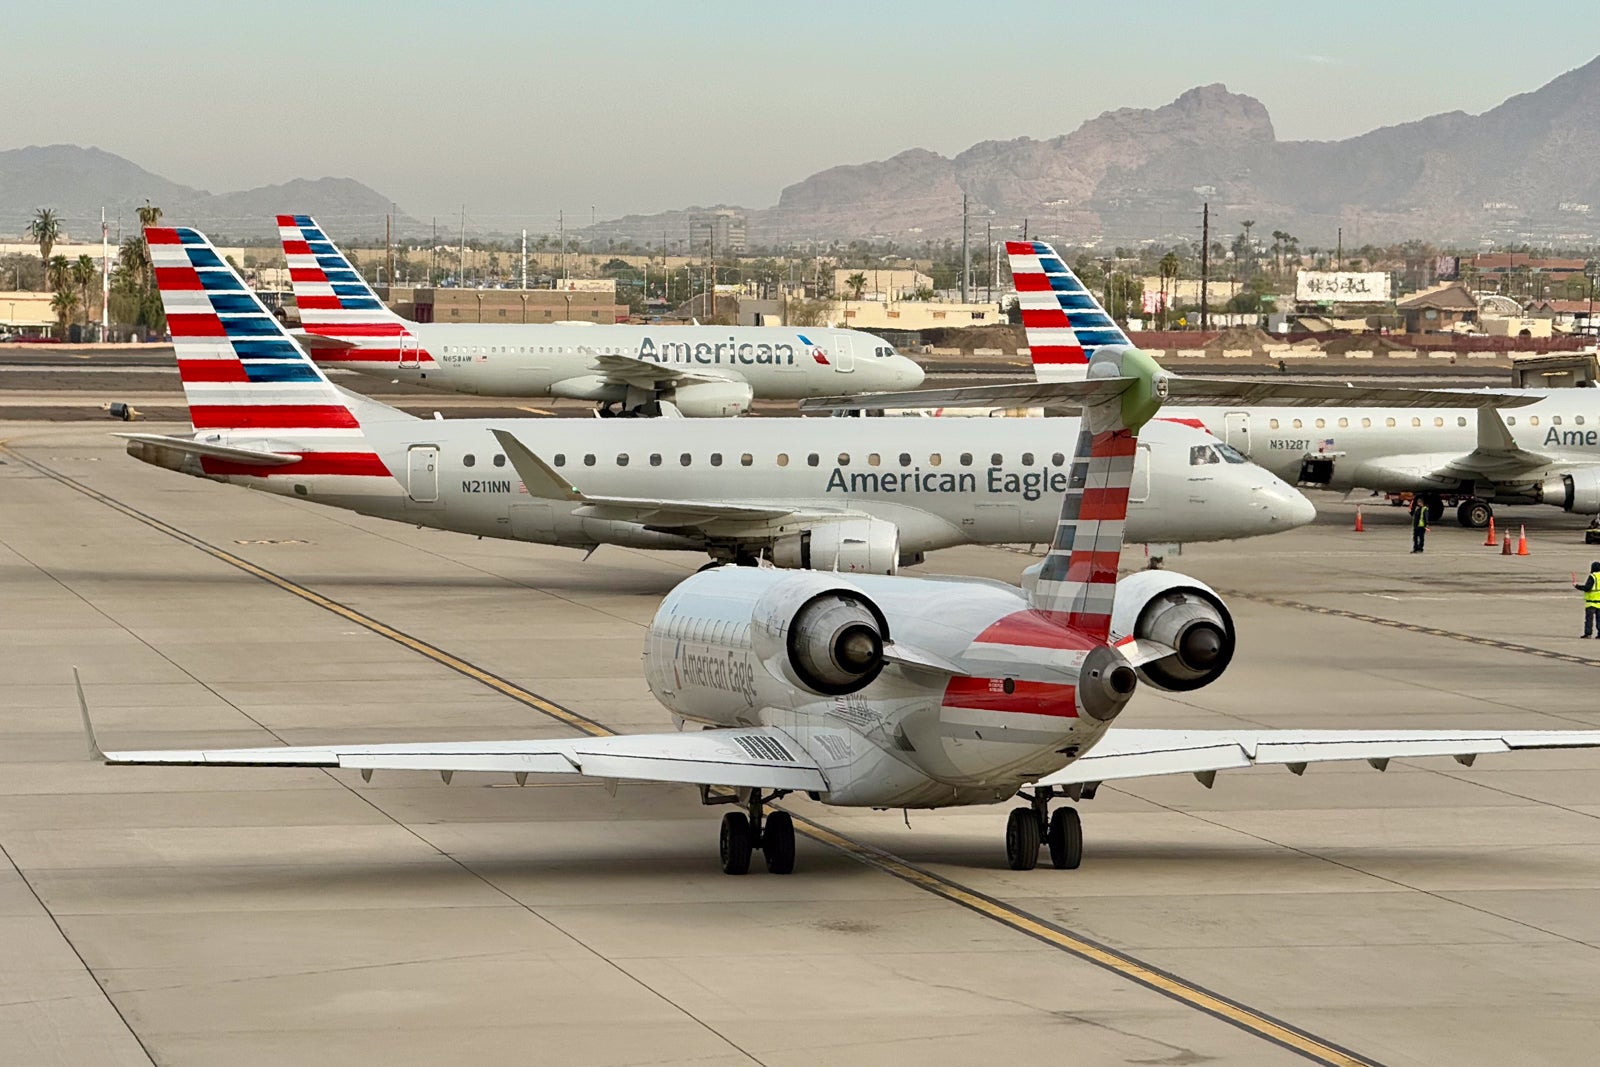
76,182
1527,170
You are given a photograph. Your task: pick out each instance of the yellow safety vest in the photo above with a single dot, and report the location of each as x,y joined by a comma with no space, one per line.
1592,597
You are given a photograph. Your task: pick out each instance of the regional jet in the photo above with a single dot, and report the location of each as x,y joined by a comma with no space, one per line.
702,371
900,692
861,495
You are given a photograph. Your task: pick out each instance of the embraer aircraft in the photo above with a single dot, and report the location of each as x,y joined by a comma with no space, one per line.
1465,448
896,692
851,494
703,371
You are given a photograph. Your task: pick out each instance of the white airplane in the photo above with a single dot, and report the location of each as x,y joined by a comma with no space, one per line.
703,371
851,494
1463,447
898,692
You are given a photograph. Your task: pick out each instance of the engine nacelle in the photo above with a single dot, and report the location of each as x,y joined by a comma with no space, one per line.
1180,612
1577,490
589,387
713,400
851,546
820,637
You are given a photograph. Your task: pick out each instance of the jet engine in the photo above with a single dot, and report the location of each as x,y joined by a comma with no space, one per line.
712,400
1183,614
851,546
1577,490
824,638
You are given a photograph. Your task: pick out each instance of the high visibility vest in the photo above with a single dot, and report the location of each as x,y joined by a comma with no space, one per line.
1422,518
1592,597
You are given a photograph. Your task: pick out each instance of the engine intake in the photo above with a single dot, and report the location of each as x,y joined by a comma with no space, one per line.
835,643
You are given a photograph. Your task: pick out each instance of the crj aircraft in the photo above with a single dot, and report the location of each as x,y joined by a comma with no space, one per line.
702,371
1461,447
860,495
900,692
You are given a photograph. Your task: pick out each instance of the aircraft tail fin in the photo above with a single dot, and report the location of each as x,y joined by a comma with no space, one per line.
1077,581
337,303
1064,323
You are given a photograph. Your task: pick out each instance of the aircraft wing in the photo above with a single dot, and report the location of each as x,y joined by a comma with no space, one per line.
1497,456
541,480
1147,753
645,374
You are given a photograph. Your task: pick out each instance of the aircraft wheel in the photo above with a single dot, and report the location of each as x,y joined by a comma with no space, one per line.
1435,507
1474,514
777,842
1066,839
1022,839
735,843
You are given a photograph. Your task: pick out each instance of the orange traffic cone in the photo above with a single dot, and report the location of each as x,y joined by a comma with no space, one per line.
1505,546
1490,541
1522,541
1359,527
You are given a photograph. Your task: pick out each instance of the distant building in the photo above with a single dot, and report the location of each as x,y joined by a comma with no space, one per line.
1438,310
719,231
505,305
882,284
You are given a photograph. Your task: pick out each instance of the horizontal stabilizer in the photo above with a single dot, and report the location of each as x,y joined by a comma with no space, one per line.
921,659
313,342
252,456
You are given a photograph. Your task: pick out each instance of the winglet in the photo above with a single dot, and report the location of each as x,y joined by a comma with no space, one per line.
538,477
88,727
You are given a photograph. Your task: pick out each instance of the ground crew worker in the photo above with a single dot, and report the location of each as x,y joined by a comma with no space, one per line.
1590,588
1419,523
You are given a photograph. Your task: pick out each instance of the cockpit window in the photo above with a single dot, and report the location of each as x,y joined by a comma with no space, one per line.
1231,454
1200,455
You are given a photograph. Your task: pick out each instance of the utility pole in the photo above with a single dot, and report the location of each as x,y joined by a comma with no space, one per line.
105,277
988,239
524,259
1205,266
461,269
561,229
388,251
966,255
1338,255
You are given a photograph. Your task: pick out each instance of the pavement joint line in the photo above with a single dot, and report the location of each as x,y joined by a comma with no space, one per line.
1165,983
1431,631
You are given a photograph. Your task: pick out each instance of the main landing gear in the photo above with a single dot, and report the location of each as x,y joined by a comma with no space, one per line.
1027,827
1474,514
745,831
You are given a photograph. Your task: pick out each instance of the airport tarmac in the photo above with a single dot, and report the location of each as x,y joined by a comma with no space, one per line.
1431,914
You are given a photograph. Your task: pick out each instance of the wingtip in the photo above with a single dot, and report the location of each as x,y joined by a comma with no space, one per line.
95,751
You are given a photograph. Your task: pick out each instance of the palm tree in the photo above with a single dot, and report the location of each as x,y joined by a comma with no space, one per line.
134,260
1169,270
149,215
856,283
64,303
1278,239
58,272
45,230
84,273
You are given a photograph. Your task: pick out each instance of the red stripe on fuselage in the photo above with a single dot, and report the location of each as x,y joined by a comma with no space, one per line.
333,357
358,329
1031,698
354,464
271,417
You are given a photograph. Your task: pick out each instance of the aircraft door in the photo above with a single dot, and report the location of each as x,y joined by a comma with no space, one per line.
410,351
422,473
844,353
1139,487
1236,430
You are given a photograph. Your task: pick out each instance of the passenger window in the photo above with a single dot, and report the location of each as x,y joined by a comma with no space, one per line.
1416,422
1273,423
500,460
685,459
1389,421
811,460
1027,459
1343,423
844,459
1511,420
935,458
1057,459
716,459
655,459
469,460
873,459
622,459
1298,424
561,459
1366,424
783,459
1461,420
1437,421
905,459
1576,418
746,460
966,459
1533,420
1321,423
997,460
588,460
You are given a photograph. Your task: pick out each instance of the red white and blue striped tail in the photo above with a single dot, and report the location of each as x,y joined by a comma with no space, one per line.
241,370
1077,581
335,301
1064,323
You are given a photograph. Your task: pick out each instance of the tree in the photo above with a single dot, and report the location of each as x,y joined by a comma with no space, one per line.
802,312
84,273
149,215
856,283
1279,237
64,303
58,272
1169,272
45,231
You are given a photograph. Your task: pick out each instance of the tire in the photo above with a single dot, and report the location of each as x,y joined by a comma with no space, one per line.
1435,508
1066,839
777,842
1474,514
735,843
1022,839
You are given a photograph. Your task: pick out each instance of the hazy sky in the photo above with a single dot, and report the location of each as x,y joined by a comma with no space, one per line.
521,109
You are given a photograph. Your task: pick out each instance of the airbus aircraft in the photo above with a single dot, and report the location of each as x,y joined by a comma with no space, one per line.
1548,453
851,494
898,692
703,371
